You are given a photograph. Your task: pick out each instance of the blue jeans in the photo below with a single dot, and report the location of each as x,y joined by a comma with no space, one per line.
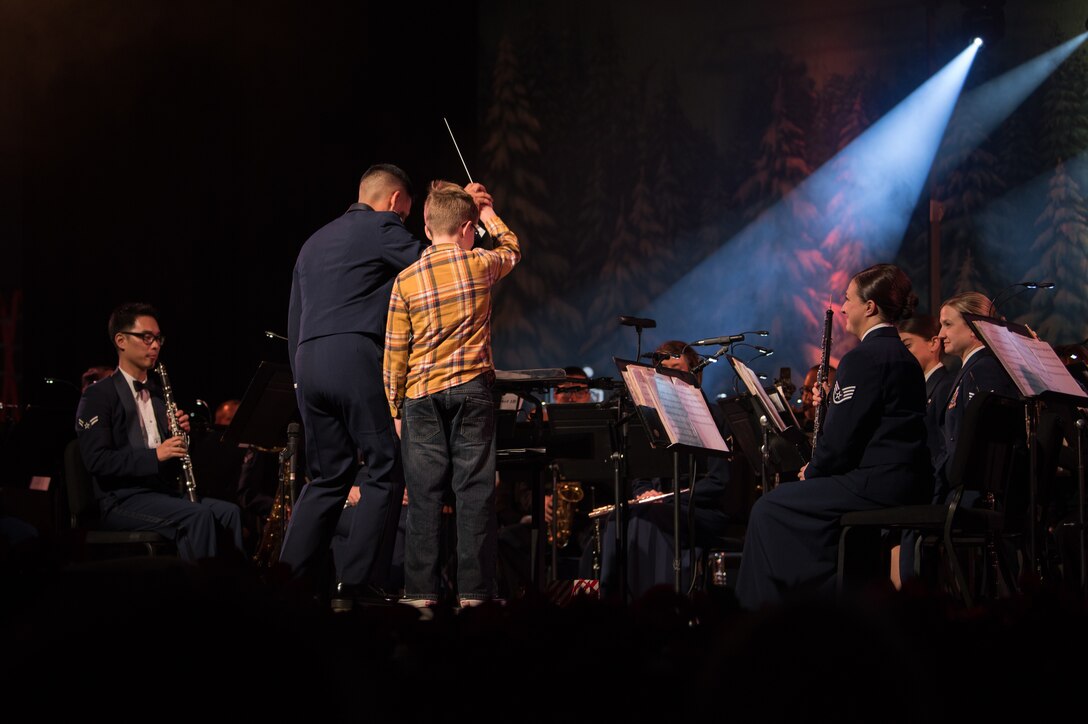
449,440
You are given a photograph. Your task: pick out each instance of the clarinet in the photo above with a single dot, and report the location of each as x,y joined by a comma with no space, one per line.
175,430
821,375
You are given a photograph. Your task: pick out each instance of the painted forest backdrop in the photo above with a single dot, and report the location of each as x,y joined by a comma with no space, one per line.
652,158
622,174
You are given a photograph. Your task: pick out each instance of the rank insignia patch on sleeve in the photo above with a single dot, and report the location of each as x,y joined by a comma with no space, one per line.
842,394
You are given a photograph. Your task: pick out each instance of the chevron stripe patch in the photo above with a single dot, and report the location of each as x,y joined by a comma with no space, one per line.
842,394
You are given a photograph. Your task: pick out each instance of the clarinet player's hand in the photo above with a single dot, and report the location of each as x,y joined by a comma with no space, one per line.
171,448
183,420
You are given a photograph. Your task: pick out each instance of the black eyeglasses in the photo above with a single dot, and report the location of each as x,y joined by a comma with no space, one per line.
571,389
148,337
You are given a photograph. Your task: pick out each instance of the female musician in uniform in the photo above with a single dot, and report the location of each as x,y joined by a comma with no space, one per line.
920,337
871,452
980,372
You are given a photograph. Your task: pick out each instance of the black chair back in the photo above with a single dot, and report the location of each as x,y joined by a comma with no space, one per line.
989,454
83,509
79,485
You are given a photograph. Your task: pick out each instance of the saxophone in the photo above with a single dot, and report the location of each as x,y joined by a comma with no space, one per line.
275,526
176,431
567,496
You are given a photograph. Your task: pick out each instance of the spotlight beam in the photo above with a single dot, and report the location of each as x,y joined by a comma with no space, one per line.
815,230
994,101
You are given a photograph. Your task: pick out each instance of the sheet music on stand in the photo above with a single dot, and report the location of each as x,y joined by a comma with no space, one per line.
670,406
680,407
755,389
1032,363
782,402
1039,374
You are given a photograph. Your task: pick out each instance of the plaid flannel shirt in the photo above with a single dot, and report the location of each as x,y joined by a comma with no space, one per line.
438,330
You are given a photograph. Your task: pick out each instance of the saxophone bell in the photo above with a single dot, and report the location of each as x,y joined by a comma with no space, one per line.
274,528
567,496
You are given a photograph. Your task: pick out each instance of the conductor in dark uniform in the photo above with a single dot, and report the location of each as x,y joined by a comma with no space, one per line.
336,332
125,443
871,452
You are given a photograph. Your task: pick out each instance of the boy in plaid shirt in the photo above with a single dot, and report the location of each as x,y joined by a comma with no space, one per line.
438,377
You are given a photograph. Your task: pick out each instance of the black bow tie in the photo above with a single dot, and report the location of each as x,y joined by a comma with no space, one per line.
140,386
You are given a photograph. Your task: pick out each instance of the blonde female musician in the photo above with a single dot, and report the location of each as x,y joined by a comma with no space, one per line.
871,452
980,372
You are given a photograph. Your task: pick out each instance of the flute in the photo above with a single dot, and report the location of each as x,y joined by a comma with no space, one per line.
606,509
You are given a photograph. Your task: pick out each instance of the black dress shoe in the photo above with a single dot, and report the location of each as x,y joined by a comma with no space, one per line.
347,597
343,599
368,594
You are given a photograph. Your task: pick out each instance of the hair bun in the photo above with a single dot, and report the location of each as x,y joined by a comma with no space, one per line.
908,309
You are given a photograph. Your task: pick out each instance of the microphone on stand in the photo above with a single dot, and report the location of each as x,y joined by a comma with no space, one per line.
704,362
637,322
728,339
721,341
658,357
1026,286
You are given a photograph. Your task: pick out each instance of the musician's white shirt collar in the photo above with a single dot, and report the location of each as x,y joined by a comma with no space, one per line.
130,379
148,425
875,326
973,352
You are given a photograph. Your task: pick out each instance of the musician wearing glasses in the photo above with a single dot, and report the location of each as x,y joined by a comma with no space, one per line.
871,452
124,439
575,390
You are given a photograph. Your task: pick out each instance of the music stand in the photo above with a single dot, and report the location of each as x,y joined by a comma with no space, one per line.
267,408
677,418
580,440
768,453
518,443
580,444
771,420
1039,375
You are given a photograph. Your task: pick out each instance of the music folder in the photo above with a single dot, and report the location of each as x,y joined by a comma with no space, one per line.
673,410
1032,363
